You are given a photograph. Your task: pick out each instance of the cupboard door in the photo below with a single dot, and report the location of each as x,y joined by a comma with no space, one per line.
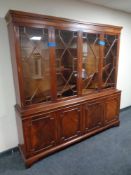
70,123
66,63
90,62
110,61
43,132
112,109
93,115
35,64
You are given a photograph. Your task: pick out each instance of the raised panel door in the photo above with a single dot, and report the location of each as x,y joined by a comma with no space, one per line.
43,132
112,109
93,115
70,123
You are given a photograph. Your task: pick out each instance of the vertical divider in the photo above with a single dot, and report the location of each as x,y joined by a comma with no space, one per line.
51,45
117,60
101,59
79,62
15,33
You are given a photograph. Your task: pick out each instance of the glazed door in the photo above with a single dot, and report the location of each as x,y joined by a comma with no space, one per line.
110,54
34,59
66,63
70,123
90,62
93,115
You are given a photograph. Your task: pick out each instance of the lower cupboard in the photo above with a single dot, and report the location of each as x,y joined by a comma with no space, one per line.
46,132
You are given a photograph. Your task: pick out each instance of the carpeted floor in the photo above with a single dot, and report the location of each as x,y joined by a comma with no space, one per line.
107,153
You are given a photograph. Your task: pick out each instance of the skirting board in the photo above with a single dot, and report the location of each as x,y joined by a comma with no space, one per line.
9,152
124,109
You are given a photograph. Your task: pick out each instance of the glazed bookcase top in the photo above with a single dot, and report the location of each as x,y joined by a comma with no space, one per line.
56,59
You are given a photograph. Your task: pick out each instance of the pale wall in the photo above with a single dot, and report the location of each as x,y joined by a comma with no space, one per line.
60,8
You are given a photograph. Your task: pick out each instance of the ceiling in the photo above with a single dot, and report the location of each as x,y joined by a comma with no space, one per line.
123,5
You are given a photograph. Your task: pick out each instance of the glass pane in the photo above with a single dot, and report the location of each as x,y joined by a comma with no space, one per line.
66,63
109,65
90,63
35,64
